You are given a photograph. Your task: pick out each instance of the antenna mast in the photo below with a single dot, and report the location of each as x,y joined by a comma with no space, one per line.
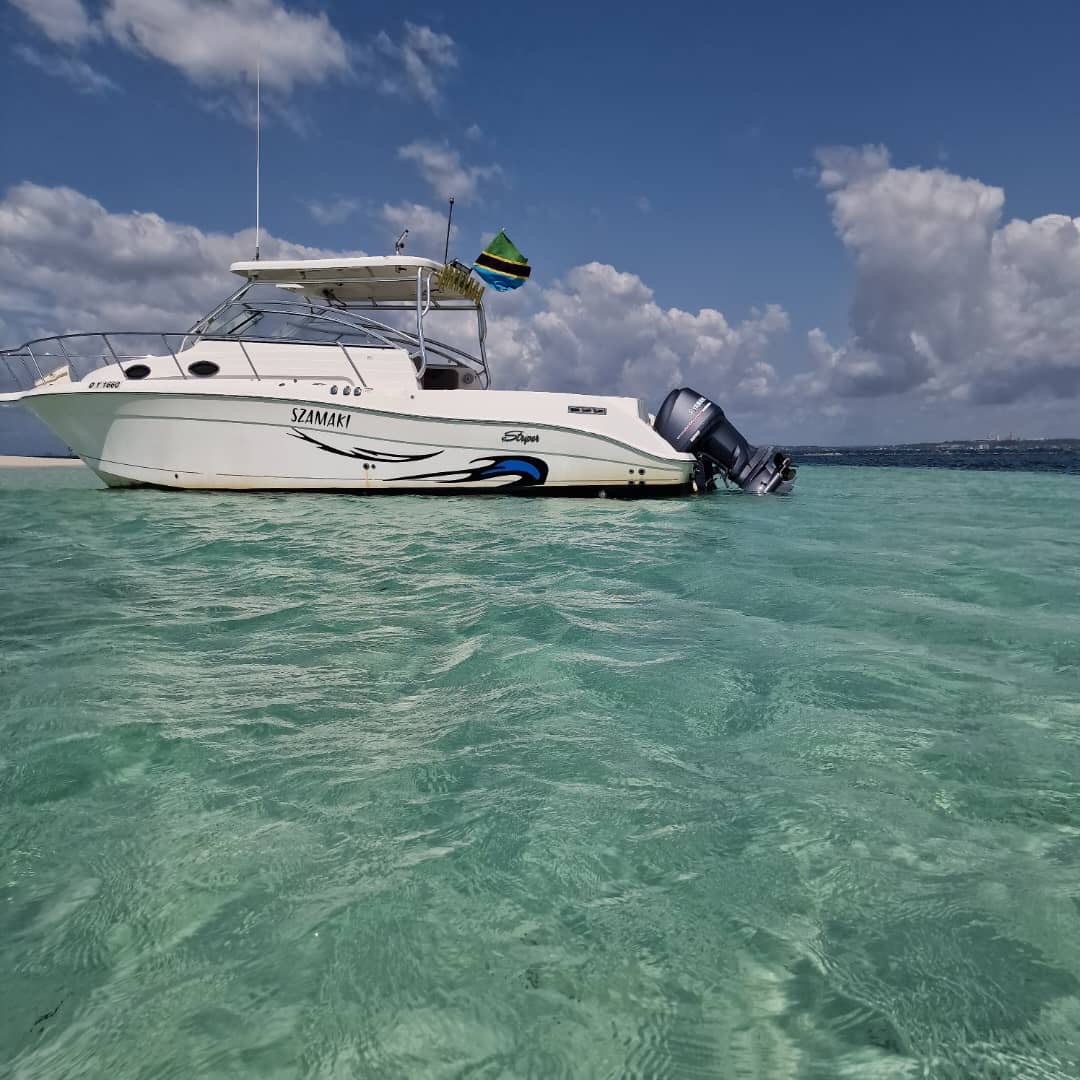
258,144
450,217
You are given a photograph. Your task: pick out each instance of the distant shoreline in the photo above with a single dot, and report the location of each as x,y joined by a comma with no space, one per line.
12,462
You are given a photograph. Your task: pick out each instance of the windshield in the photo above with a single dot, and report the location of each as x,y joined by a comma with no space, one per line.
287,321
262,312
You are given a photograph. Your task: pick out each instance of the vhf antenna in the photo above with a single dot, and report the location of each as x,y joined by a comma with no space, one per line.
258,145
450,217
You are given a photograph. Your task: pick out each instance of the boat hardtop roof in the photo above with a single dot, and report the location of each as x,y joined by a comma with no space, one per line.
364,279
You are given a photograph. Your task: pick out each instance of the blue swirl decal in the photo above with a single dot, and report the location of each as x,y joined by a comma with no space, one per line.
520,466
526,472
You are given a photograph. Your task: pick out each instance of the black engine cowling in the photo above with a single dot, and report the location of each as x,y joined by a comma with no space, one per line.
693,424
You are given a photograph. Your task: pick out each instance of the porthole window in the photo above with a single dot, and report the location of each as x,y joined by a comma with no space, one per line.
203,368
137,371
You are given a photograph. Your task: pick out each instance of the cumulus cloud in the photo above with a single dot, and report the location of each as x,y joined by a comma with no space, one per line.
220,42
442,168
65,22
949,303
211,42
72,265
70,69
599,330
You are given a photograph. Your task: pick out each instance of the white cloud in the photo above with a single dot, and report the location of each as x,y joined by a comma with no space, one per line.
418,63
425,55
65,22
211,42
474,132
427,229
949,304
601,331
837,165
71,265
442,168
77,72
333,211
643,204
218,42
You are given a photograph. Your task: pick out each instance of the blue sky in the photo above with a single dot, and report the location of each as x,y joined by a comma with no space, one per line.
684,145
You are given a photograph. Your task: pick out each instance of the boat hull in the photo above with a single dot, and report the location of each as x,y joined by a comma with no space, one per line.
433,442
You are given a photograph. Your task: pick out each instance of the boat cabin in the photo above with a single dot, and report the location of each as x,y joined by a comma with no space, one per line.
361,322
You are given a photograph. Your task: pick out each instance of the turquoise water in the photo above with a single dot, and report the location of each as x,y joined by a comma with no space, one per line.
315,786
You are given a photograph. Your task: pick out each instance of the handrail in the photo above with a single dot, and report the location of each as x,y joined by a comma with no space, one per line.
110,353
258,377
393,339
33,359
108,345
356,370
420,322
172,353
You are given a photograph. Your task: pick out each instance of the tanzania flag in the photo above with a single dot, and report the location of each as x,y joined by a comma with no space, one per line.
501,265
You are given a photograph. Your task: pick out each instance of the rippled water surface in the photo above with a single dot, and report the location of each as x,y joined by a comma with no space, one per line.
311,786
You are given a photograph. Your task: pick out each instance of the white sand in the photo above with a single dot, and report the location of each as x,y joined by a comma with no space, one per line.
7,462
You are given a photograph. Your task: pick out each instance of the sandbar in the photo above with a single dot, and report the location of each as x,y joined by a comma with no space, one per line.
15,462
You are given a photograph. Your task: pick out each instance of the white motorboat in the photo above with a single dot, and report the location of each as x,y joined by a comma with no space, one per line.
321,376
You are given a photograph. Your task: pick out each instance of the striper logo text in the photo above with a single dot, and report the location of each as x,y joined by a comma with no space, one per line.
520,436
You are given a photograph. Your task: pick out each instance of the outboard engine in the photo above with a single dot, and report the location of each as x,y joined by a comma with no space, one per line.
693,424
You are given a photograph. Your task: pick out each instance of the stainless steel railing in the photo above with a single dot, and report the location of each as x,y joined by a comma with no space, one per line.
74,356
